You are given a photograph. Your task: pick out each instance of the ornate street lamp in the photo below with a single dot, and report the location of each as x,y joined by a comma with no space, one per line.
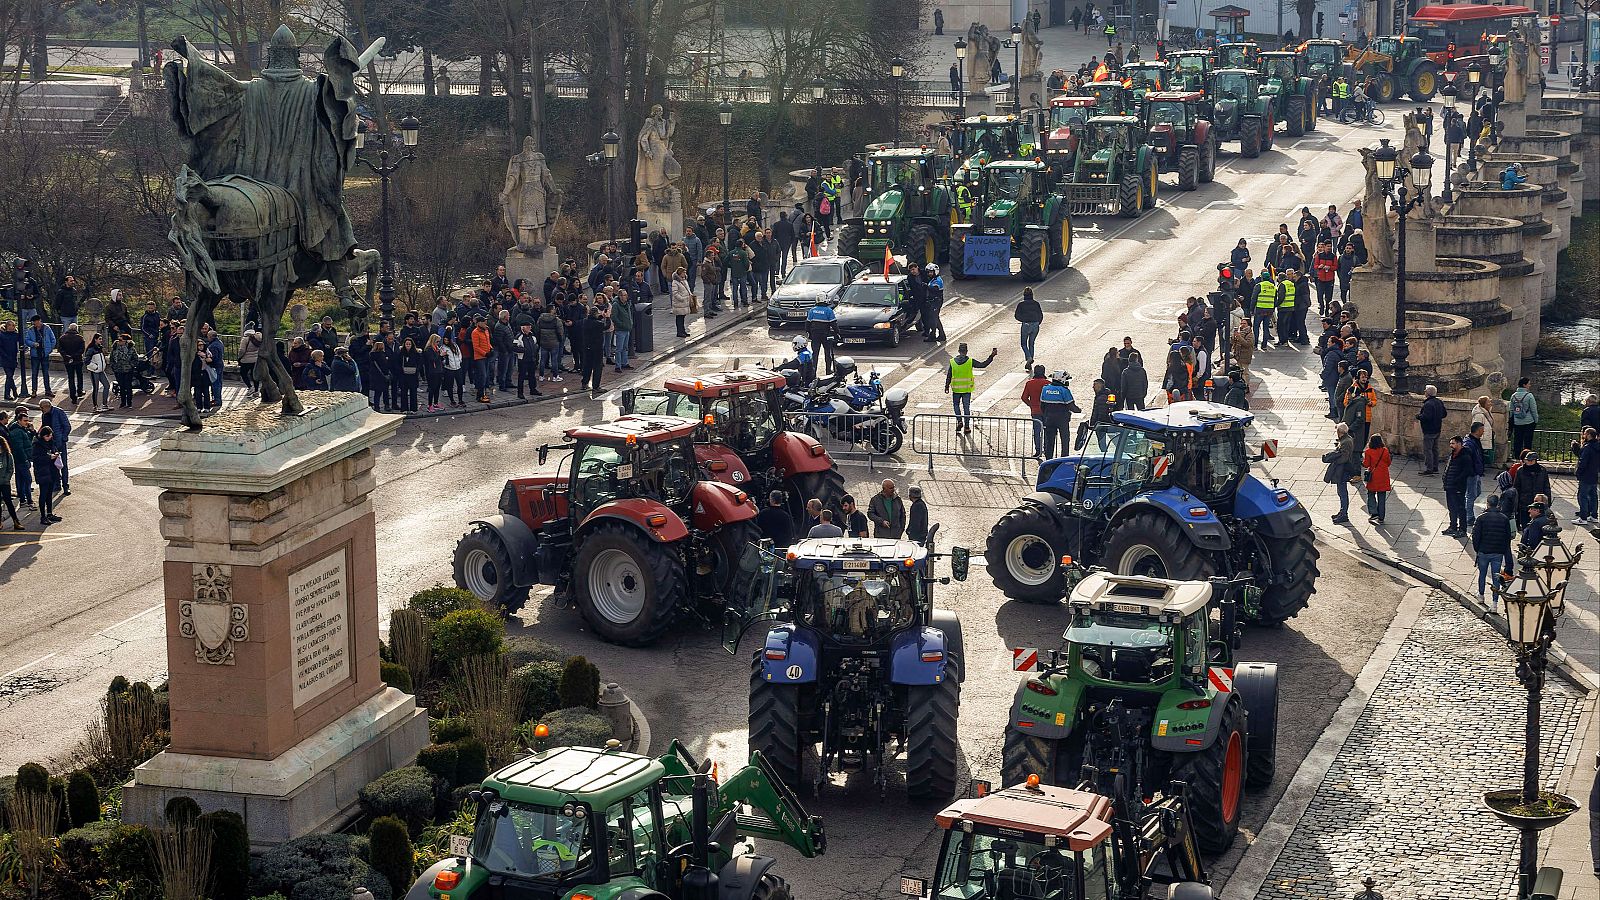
961,77
1407,188
1015,43
725,119
819,92
609,144
410,130
1555,563
897,72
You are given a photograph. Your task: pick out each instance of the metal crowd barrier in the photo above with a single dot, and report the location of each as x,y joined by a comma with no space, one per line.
990,437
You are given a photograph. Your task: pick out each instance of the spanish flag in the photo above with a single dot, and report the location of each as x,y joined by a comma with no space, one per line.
1127,82
1102,72
813,242
888,259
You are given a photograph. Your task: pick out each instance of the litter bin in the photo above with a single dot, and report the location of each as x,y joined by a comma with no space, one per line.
644,336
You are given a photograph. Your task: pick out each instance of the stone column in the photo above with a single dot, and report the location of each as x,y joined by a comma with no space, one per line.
278,711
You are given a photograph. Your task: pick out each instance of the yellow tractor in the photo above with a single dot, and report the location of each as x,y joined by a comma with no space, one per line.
1395,65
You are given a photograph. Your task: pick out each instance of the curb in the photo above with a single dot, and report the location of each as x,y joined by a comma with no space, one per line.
641,729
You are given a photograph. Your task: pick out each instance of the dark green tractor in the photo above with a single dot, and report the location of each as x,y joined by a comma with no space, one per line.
1396,65
908,210
1142,78
1238,55
1324,62
977,141
1115,171
1290,89
1014,200
1190,70
1239,112
1111,98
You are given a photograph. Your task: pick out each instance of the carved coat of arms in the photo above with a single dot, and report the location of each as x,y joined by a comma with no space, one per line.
212,618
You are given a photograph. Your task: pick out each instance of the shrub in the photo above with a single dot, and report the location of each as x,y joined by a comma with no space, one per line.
319,867
119,685
580,684
391,852
83,799
439,601
408,637
131,729
8,786
472,761
395,676
107,852
230,854
183,853
180,812
407,793
440,761
464,633
32,777
449,729
577,727
521,650
540,683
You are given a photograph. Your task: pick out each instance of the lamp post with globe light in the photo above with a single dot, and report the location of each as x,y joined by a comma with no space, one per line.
725,120
897,73
1407,187
410,131
1015,44
961,77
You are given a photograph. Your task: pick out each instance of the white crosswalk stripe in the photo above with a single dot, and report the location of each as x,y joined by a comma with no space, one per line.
1007,385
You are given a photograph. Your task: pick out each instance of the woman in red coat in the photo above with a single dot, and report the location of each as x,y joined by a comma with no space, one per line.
1375,462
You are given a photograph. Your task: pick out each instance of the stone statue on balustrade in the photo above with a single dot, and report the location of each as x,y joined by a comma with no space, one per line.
529,201
660,201
1377,231
1032,50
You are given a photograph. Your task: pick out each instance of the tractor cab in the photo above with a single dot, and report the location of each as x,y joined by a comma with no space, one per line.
1170,117
1324,57
1399,48
1238,55
1110,97
1281,67
1145,77
1068,115
979,140
901,180
1242,85
741,409
634,457
1140,633
1106,138
1190,69
1195,447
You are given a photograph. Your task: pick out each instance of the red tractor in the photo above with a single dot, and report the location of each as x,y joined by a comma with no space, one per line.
628,527
744,442
1184,144
1069,114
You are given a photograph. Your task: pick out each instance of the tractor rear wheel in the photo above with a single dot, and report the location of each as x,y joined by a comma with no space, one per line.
827,486
775,725
1294,115
1216,777
931,745
483,566
1052,760
1023,554
1257,686
1387,89
958,252
1188,168
922,245
728,547
1032,255
1293,563
1150,543
626,585
1208,161
1060,240
771,887
849,241
1250,137
1129,192
1313,109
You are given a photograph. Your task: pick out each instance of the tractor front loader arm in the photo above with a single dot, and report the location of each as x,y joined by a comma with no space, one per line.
774,810
1168,831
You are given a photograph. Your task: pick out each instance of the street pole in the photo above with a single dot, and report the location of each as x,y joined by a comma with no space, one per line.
410,128
961,78
1400,350
1530,671
725,117
897,71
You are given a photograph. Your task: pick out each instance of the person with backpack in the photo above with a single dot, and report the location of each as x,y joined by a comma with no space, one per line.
1524,416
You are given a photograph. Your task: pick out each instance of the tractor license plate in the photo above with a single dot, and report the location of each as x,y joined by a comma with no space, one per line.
855,340
625,472
460,845
1132,608
857,565
1222,426
996,230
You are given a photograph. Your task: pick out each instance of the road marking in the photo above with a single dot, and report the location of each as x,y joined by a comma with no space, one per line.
916,379
37,537
998,391
116,460
27,666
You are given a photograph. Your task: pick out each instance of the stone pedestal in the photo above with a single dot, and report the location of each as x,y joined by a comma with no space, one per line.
278,711
534,265
1033,86
664,209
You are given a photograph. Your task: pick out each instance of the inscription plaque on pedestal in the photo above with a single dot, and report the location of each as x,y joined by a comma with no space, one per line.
319,627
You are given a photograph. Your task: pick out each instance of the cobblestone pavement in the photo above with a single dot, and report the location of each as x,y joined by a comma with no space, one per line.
1401,801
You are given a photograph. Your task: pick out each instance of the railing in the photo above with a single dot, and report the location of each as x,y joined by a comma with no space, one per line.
987,437
914,93
1555,448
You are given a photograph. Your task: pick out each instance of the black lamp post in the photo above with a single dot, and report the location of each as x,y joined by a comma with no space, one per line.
1454,93
410,129
1475,79
897,72
1399,182
819,92
609,143
961,72
725,119
1015,43
1530,626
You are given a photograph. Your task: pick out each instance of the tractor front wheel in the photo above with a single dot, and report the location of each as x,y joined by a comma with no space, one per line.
958,252
483,567
1025,755
1061,240
1023,555
727,549
1257,686
923,246
827,486
849,240
1150,543
931,745
775,725
1129,192
1294,115
1216,777
1386,87
1188,168
1250,137
1208,161
1313,109
1032,255
1293,564
627,585
771,887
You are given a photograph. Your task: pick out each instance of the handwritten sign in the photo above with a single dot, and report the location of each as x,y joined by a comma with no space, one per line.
987,254
319,627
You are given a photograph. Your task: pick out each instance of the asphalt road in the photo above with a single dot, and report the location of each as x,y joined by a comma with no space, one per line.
82,602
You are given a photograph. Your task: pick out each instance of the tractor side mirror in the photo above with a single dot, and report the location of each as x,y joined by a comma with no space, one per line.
1080,483
960,562
544,453
627,399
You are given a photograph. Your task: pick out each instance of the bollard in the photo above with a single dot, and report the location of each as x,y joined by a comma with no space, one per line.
644,336
614,706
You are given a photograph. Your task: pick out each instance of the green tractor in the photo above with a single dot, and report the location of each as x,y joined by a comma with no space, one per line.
1143,78
1111,98
909,209
1238,55
1191,70
1146,693
1239,111
1324,61
977,141
1115,170
1014,201
1397,65
608,825
1290,90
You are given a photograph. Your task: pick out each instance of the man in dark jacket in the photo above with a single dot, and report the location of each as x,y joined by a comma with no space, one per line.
525,346
774,521
1457,470
589,350
1030,316
784,237
1491,541
55,418
1531,480
1332,374
10,355
1590,417
1431,416
150,328
917,517
1473,445
1533,532
501,337
1587,448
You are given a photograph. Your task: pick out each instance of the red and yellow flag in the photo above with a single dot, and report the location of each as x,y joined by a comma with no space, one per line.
813,243
888,259
1102,72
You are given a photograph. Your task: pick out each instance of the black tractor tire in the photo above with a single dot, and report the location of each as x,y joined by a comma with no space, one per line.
653,573
775,725
1424,82
1211,774
482,566
1208,161
1130,191
1024,755
1296,559
1033,256
957,254
1387,88
1313,111
827,486
931,745
1150,543
1188,168
1029,536
1257,687
1250,137
922,245
849,243
955,653
1294,115
771,887
729,545
1060,240
1269,134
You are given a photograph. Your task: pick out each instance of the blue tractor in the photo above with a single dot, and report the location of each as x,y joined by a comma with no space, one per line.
1165,493
857,662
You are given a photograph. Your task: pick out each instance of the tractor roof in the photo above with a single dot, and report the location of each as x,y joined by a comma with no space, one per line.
1139,594
1190,53
1114,120
1179,96
879,278
1015,164
724,384
1235,69
584,774
861,554
1189,415
650,429
1280,53
1080,818
902,153
989,120
1074,100
1326,42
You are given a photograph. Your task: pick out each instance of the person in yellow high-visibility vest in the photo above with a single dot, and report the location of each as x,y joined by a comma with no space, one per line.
964,202
1288,289
959,381
1266,306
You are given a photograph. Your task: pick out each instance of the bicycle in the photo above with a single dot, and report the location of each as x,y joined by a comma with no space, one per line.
1367,113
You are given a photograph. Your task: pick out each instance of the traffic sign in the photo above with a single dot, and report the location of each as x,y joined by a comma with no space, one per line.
1023,659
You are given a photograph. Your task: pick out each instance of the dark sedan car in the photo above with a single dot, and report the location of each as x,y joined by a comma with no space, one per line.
875,309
